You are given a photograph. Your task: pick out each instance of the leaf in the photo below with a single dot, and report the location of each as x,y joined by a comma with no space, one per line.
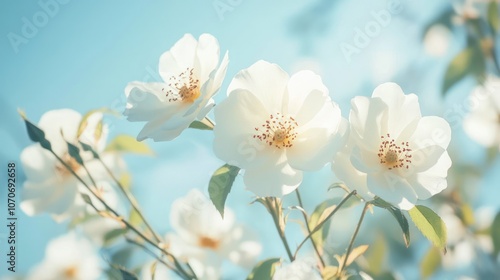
203,125
88,148
264,270
466,214
320,236
128,144
396,213
430,224
126,275
468,61
430,262
112,235
135,218
152,269
355,253
74,152
84,121
125,180
34,133
375,257
87,198
330,272
495,234
494,16
220,185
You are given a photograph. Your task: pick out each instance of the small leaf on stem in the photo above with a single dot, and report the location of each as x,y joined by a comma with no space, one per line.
220,185
430,224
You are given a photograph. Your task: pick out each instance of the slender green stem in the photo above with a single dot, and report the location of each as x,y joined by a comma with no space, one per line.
273,209
318,226
118,216
351,243
147,250
131,200
306,220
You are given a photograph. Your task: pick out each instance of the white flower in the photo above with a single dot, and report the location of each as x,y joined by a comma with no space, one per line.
437,40
482,124
393,152
275,126
205,239
190,79
161,272
300,269
68,257
49,186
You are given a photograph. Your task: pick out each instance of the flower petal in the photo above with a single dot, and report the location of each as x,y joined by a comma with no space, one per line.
242,246
271,175
180,57
393,189
57,122
207,56
431,131
353,178
402,109
50,197
368,118
433,180
146,101
38,163
236,118
268,82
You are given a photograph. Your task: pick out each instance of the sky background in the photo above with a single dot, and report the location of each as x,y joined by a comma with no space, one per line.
81,55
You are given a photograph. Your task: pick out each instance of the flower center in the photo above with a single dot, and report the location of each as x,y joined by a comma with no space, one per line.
184,87
71,162
393,155
277,131
71,272
208,242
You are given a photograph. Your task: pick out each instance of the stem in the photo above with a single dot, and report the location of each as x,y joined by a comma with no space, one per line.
306,220
177,264
318,226
142,246
132,201
351,243
278,228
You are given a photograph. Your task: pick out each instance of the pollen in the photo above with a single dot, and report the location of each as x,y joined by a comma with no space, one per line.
278,131
394,155
184,87
208,242
71,272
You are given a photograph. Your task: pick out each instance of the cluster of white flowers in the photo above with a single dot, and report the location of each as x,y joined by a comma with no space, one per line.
271,125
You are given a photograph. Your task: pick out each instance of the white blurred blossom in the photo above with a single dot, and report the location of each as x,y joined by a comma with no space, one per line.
300,269
205,239
68,257
482,123
49,186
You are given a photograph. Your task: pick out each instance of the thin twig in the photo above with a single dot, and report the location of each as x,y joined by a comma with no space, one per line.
351,243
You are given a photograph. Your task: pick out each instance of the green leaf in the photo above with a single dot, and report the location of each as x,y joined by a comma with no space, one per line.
494,16
125,180
495,234
430,262
220,185
203,125
125,274
35,134
375,257
88,148
74,152
113,235
398,214
468,61
135,218
87,198
264,270
128,144
430,224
